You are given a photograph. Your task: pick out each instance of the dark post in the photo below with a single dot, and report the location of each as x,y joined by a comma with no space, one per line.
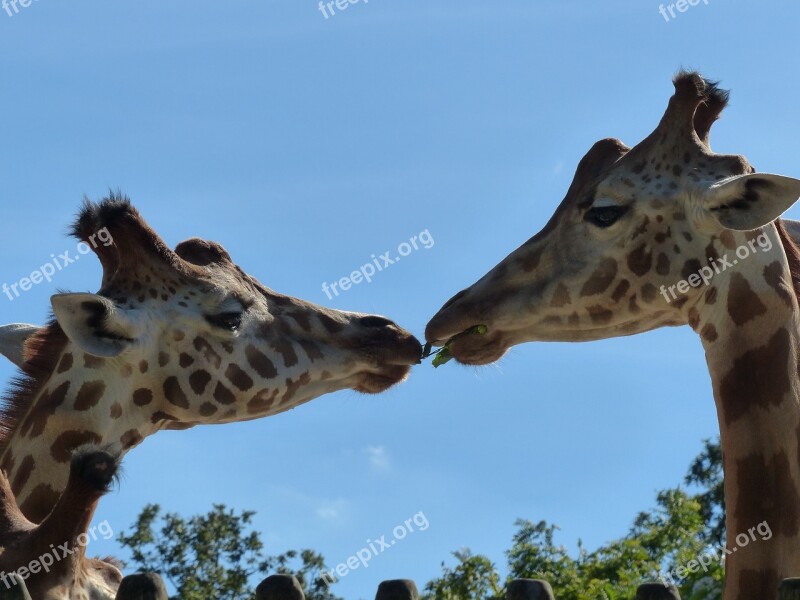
142,586
789,589
657,591
397,589
529,589
280,587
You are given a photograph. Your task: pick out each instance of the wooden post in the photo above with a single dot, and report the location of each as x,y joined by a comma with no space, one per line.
657,591
529,589
280,587
15,590
142,586
789,589
397,589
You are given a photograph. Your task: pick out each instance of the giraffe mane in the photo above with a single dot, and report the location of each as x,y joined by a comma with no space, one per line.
792,254
42,350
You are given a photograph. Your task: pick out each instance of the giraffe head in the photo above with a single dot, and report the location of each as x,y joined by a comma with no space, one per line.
635,223
51,556
207,340
173,339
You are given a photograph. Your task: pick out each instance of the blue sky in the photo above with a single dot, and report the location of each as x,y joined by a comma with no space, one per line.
305,145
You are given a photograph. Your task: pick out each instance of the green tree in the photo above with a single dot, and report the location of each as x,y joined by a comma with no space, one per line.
473,577
215,555
681,528
706,473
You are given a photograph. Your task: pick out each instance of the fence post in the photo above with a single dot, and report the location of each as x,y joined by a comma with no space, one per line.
789,589
280,587
657,591
529,589
15,589
142,586
397,589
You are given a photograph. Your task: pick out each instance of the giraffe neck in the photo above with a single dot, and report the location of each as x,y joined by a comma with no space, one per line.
86,400
749,326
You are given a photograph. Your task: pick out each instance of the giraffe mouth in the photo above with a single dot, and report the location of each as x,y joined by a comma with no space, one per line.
392,364
475,346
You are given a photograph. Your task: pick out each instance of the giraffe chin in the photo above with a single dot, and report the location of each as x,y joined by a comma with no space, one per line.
477,351
375,383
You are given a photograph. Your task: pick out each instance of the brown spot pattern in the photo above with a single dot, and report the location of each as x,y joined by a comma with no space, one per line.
312,350
199,380
620,291
64,365
238,377
560,297
293,386
709,333
89,395
769,494
259,361
743,303
601,279
599,315
284,347
24,472
207,409
65,444
640,260
223,395
130,439
649,292
142,397
758,378
261,402
174,394
35,422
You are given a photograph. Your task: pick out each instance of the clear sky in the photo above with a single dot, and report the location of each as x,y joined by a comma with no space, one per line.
305,145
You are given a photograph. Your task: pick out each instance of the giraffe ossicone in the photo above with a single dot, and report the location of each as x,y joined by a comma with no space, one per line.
639,220
173,339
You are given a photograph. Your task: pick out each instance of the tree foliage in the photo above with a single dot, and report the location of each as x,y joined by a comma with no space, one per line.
681,528
215,555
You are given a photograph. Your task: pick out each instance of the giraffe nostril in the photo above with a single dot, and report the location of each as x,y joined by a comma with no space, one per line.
374,321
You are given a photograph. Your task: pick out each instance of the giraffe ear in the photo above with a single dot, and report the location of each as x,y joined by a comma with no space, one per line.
751,201
94,323
12,341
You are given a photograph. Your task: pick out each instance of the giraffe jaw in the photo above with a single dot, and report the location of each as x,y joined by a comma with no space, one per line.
375,383
392,365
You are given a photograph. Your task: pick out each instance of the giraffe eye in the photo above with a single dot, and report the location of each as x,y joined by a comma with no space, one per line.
605,216
230,320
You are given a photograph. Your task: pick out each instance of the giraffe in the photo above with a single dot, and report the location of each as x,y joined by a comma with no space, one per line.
634,223
172,340
51,556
